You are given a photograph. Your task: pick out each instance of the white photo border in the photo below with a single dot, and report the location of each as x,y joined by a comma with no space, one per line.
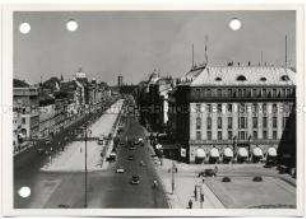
6,77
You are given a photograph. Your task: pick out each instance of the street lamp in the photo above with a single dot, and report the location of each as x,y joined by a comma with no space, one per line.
87,132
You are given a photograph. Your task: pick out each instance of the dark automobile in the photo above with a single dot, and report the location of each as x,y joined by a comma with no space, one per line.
135,180
131,157
132,148
208,172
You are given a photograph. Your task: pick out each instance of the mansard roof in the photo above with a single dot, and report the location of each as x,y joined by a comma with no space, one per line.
240,75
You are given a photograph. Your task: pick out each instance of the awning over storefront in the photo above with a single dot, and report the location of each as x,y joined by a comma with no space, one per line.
272,152
214,152
228,152
257,152
242,152
200,153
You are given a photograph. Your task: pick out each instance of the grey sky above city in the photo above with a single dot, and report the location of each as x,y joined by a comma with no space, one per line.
107,44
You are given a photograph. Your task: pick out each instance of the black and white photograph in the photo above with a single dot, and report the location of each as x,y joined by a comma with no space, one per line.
155,109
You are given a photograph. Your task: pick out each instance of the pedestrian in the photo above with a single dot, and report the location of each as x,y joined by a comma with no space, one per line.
195,193
190,203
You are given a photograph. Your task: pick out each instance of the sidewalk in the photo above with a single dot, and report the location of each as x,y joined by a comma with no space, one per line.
72,159
184,189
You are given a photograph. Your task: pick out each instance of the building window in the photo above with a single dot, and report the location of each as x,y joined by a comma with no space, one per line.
198,123
219,93
219,108
230,122
208,135
286,108
264,108
219,121
209,122
242,135
255,122
230,134
288,92
255,135
265,135
229,107
239,93
219,135
198,135
208,92
198,107
284,122
254,108
274,108
242,108
274,93
242,123
198,92
274,119
254,93
274,135
264,92
209,108
265,122
230,92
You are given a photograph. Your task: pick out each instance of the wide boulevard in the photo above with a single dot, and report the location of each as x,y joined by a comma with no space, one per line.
59,181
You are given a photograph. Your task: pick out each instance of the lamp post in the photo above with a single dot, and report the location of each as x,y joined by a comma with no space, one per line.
172,177
86,132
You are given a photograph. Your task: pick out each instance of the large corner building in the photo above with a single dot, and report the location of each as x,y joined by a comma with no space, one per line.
215,110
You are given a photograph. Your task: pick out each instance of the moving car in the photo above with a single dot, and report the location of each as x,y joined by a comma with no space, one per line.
136,142
142,163
135,180
120,170
113,155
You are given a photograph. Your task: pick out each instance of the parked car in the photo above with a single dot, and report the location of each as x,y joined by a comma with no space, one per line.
208,173
131,157
135,180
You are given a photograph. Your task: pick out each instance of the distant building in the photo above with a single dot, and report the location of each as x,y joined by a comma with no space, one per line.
215,109
120,81
74,91
46,120
25,111
25,99
153,102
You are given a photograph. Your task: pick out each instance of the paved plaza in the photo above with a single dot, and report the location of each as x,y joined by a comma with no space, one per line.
275,191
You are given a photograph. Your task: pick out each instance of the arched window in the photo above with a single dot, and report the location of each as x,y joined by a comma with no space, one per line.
285,78
241,78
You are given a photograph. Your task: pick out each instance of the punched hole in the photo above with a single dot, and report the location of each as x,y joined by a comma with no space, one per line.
24,192
235,24
24,28
72,25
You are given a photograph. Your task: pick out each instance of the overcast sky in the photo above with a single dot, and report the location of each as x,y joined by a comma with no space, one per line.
134,43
